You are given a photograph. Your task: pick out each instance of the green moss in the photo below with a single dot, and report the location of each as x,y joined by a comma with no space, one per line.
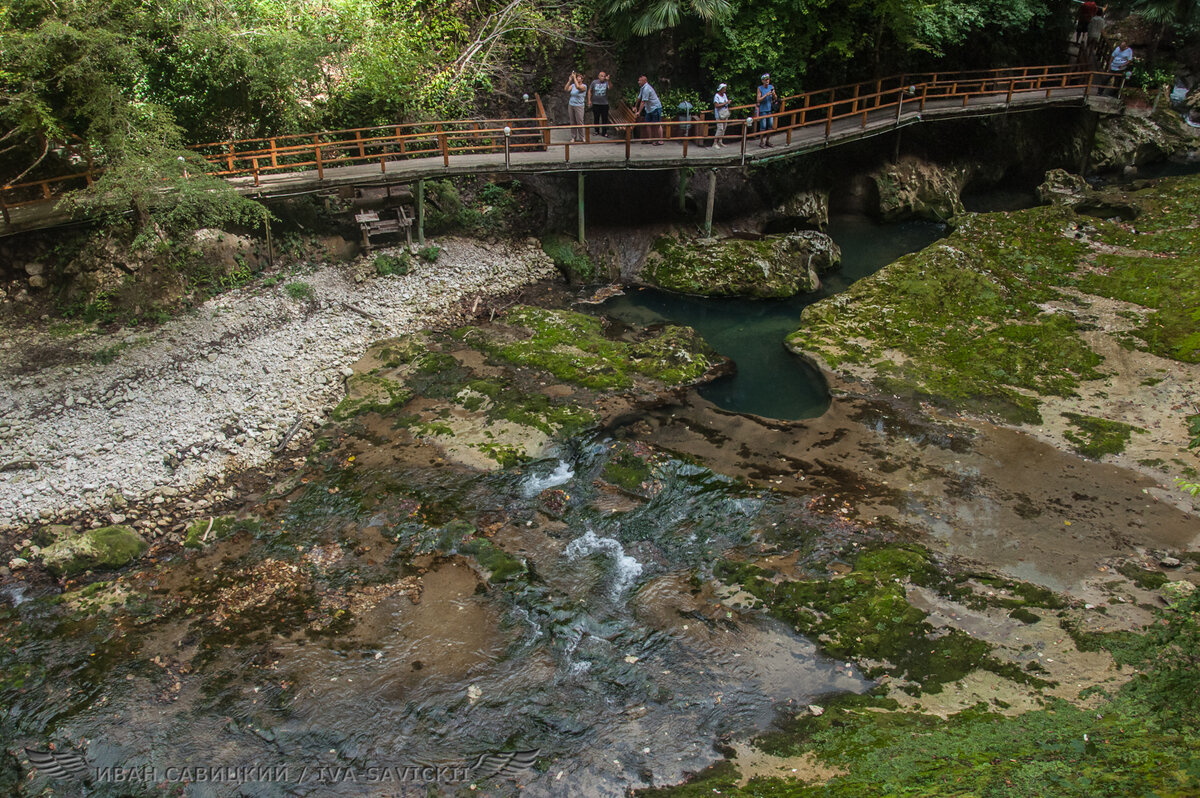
196,536
770,268
371,393
572,347
97,549
1024,616
1143,578
865,615
500,565
1096,437
505,402
967,316
626,470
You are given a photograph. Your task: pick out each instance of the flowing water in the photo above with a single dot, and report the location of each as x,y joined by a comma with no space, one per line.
770,381
600,640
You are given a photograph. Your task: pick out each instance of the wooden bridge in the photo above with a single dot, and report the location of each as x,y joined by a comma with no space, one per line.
410,153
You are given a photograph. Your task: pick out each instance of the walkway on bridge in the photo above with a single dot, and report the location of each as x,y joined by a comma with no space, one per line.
284,166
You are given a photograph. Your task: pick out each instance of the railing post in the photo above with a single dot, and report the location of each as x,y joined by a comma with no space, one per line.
900,104
567,152
1008,99
274,159
320,165
445,148
628,140
358,137
829,120
745,134
254,160
924,94
229,156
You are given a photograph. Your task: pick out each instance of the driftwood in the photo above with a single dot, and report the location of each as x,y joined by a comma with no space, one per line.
366,314
291,433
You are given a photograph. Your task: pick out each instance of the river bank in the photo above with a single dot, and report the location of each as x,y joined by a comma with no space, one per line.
91,422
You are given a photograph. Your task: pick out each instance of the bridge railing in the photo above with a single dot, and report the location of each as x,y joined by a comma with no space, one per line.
812,115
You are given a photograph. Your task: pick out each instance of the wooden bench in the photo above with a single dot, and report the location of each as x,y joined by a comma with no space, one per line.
372,225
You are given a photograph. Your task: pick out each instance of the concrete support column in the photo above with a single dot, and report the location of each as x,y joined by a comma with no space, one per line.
582,240
712,198
420,213
1091,120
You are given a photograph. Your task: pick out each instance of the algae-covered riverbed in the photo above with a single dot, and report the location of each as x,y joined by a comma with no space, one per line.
528,555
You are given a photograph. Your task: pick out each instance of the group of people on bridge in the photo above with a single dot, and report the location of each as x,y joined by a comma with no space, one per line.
595,94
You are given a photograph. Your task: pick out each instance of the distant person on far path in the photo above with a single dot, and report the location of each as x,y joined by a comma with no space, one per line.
576,103
1086,11
597,98
766,99
648,102
1095,32
721,113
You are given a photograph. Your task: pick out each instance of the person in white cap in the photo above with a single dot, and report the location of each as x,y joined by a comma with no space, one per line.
721,112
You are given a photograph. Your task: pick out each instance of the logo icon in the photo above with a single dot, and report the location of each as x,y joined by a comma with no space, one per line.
65,764
504,763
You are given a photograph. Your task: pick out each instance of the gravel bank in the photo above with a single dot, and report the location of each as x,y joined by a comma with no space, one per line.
216,390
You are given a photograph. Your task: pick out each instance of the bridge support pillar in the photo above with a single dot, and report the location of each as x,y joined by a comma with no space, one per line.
1091,122
421,213
579,191
712,198
683,187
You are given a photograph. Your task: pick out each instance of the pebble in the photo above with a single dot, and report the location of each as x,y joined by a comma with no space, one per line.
171,400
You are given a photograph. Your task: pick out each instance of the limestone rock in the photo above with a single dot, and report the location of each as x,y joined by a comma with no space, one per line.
1133,140
1062,188
809,207
96,549
914,188
771,268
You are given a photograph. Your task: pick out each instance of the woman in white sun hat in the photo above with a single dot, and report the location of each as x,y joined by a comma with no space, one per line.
721,113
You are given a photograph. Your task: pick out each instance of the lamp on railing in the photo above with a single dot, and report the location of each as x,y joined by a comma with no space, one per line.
507,142
184,164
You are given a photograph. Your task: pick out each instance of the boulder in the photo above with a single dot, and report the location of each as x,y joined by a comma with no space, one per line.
1135,140
1062,188
808,207
96,549
914,188
773,267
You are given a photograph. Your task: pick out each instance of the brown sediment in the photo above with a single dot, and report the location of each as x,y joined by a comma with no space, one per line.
967,488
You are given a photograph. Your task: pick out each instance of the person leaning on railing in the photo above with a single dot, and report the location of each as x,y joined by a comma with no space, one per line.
649,103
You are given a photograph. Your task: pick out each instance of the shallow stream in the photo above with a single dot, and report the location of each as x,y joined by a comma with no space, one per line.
770,381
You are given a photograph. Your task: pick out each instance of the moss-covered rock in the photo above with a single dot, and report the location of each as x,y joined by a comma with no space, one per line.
370,392
96,549
774,267
914,188
571,258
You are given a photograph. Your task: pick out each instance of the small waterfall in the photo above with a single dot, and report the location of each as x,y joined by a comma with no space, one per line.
536,484
626,569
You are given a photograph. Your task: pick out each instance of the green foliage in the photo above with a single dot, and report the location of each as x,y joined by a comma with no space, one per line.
652,16
430,253
387,265
1143,77
300,291
571,259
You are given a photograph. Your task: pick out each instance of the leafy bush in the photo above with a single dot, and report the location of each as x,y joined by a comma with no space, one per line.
300,291
430,253
387,265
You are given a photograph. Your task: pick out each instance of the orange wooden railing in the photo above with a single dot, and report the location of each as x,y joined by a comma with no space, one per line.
816,110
